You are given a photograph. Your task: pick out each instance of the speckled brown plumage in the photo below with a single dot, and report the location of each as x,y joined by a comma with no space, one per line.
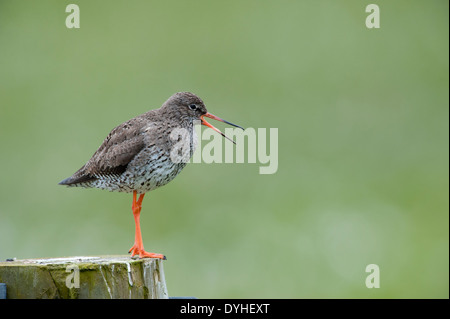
135,156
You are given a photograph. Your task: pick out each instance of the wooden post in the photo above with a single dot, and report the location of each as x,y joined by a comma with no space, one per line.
84,277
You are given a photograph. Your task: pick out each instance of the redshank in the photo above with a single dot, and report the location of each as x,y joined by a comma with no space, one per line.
136,155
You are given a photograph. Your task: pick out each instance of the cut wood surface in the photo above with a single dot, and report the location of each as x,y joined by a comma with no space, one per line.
84,278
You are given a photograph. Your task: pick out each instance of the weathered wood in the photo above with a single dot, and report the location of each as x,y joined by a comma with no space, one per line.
84,277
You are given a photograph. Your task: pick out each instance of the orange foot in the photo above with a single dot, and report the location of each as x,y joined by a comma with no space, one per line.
135,250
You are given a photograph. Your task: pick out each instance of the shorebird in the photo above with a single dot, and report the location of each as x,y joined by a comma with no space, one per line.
136,155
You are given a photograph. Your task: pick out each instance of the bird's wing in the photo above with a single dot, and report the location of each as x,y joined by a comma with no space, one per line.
118,149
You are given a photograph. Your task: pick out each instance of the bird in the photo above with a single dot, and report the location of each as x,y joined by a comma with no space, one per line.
145,153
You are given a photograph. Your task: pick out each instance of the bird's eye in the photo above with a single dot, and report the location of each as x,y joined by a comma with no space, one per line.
193,107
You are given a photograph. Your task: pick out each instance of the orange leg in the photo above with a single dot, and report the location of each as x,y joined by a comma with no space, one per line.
138,247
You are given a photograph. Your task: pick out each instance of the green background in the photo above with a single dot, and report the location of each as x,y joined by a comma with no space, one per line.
362,118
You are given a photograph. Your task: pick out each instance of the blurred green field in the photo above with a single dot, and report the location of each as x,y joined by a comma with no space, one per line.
362,118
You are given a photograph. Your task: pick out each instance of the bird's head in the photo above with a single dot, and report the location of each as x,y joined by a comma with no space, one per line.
189,105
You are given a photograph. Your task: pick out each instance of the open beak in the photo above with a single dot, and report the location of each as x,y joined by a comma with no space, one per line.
215,129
